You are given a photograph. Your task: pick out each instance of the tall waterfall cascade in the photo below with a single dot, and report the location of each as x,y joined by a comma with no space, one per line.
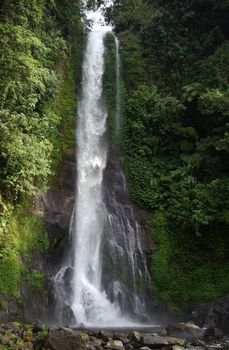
105,271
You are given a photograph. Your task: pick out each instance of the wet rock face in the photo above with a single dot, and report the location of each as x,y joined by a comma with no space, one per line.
125,245
10,309
57,204
114,177
56,207
214,314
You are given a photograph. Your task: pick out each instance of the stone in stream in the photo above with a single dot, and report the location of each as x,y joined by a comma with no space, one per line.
122,337
177,347
135,336
96,342
105,335
157,341
115,345
185,330
67,339
91,347
162,332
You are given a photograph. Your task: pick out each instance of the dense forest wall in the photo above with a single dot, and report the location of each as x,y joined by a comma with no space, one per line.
40,50
175,59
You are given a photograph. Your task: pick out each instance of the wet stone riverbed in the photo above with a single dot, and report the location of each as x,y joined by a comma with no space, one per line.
175,337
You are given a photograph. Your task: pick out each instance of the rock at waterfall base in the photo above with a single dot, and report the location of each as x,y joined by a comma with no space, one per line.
114,345
67,339
177,347
135,336
185,330
160,341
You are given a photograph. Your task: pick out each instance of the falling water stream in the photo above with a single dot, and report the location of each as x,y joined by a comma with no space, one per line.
90,303
105,261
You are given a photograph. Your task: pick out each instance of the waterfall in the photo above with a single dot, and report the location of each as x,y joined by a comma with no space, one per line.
90,303
100,282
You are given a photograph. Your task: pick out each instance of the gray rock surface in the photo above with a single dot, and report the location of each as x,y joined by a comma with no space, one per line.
185,330
19,336
160,341
214,314
67,339
114,344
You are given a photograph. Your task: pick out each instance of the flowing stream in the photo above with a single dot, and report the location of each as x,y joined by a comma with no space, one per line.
104,277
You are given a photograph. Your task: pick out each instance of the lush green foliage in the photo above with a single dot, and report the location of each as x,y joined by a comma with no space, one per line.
40,49
21,234
175,58
31,46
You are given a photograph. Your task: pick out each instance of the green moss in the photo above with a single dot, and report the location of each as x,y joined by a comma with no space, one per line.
28,232
9,273
38,280
66,106
25,235
4,305
66,101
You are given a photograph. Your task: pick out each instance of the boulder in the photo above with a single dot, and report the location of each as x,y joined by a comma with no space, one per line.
38,327
177,347
212,332
162,332
135,336
4,340
214,314
67,339
185,330
121,336
115,345
96,342
157,341
105,335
